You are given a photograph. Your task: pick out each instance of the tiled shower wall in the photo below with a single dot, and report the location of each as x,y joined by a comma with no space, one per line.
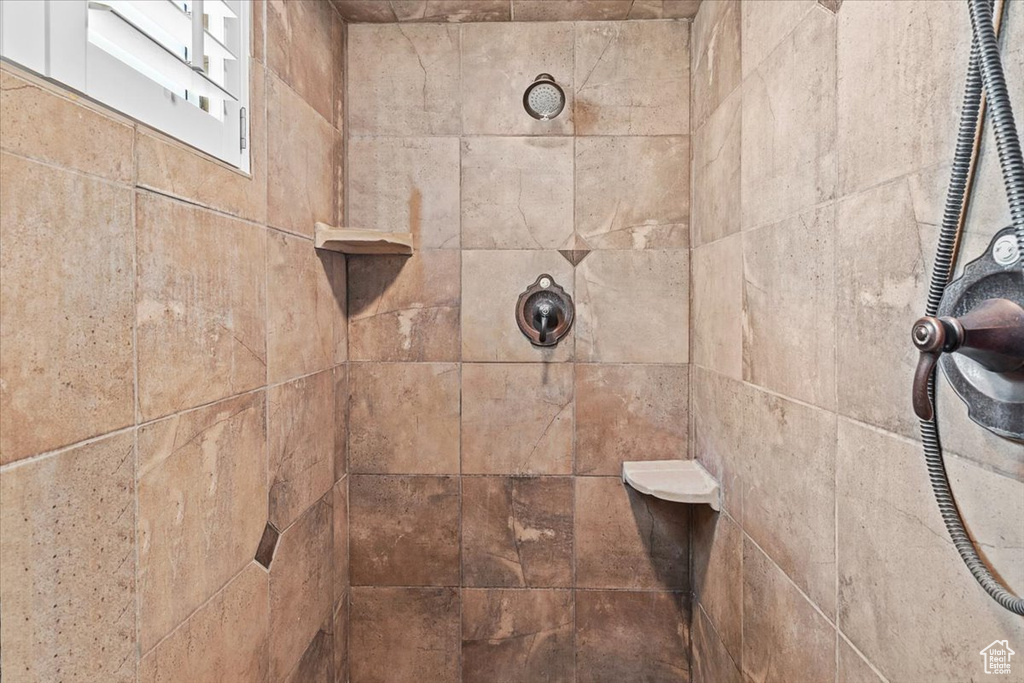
821,144
170,350
491,538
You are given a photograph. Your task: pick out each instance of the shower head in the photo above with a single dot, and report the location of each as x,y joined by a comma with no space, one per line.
544,99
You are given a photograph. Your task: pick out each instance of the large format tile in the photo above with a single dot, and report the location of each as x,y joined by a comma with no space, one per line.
784,637
789,312
453,10
715,204
631,192
306,327
404,635
710,662
714,57
67,564
491,284
202,507
569,10
517,531
304,39
317,661
717,565
632,307
225,639
517,418
303,157
627,636
719,441
632,78
78,135
406,185
765,23
403,80
499,61
404,530
301,587
716,300
789,109
66,347
629,412
883,485
853,668
625,539
404,418
302,455
404,308
517,193
513,635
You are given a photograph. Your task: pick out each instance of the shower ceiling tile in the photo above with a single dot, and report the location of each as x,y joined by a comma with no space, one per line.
628,192
570,10
517,193
453,11
403,80
406,185
632,78
499,61
365,11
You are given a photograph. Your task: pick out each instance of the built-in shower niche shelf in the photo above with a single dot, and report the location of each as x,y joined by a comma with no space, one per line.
681,481
353,241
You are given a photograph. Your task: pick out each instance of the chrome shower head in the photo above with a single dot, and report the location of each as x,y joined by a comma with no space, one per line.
544,99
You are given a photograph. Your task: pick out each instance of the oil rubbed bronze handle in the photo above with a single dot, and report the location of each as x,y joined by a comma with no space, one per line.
991,333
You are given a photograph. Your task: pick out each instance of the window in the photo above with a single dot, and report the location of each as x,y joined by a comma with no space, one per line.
180,66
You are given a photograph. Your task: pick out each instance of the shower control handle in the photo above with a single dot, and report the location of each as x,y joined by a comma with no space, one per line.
991,333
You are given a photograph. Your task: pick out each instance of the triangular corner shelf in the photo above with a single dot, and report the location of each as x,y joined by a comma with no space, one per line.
353,241
681,481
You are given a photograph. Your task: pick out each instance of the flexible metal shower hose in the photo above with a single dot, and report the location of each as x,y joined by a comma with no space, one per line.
984,69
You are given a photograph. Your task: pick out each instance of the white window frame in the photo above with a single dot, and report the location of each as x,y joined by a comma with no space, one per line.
50,37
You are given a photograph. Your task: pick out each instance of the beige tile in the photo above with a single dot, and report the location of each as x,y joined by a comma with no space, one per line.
201,505
719,441
789,314
517,531
406,185
200,305
512,635
404,531
305,308
303,39
632,307
301,445
301,587
710,662
339,501
715,69
853,668
765,23
499,61
173,168
784,637
340,420
258,35
629,412
66,334
883,484
716,318
663,9
569,10
405,634
517,193
353,11
882,68
717,565
491,284
789,490
716,174
317,662
403,80
404,418
627,636
517,418
77,135
303,157
628,540
632,78
341,638
404,308
789,109
453,10
224,639
631,192
67,564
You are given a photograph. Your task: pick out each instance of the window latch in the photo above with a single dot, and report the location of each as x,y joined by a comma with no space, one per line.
242,127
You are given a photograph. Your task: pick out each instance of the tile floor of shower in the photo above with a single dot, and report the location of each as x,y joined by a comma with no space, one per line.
226,456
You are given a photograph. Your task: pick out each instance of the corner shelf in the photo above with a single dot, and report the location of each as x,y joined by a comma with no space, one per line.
353,241
681,481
